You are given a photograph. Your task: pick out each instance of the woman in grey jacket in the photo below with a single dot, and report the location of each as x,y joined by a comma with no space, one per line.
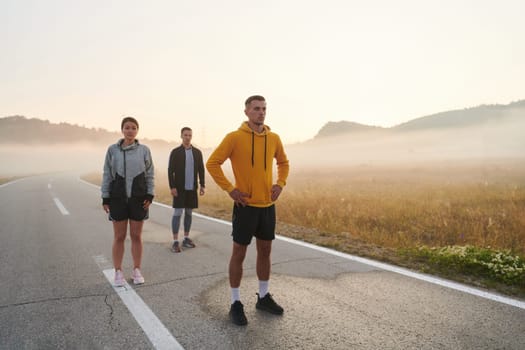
127,192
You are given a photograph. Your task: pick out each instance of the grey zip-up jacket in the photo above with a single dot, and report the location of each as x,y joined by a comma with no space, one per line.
133,164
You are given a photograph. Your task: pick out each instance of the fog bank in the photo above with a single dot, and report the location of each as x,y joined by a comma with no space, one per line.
488,142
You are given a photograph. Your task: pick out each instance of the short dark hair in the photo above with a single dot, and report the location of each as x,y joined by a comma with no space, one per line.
184,129
253,98
129,119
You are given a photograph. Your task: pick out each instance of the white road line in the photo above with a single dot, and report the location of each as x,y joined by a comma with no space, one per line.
412,274
156,332
396,269
60,206
387,267
88,183
11,182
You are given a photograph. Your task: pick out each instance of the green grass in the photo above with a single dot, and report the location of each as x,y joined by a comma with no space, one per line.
499,266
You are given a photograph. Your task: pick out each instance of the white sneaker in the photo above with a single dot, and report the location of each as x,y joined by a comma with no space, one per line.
119,279
137,276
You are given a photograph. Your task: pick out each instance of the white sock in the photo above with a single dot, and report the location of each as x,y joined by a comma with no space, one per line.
263,288
236,294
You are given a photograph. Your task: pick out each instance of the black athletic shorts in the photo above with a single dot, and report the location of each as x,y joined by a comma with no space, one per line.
253,221
127,208
186,199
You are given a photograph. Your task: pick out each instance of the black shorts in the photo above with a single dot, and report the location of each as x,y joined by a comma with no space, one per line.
186,199
127,208
253,221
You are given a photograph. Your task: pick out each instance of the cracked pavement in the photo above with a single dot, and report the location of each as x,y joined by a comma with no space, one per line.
54,294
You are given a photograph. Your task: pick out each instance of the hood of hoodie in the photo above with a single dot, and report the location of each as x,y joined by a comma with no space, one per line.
120,143
245,127
266,129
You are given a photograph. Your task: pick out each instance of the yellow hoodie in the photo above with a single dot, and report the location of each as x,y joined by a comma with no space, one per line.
251,155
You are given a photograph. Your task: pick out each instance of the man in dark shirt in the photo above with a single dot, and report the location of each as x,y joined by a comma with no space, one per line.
185,164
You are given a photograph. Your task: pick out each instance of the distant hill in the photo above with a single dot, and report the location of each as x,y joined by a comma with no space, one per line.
22,130
344,127
468,117
30,145
479,134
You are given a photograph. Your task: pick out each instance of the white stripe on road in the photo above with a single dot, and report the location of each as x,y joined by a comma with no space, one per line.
412,274
88,183
405,272
60,206
430,279
157,334
11,182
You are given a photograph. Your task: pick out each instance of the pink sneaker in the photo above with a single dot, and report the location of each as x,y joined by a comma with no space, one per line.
119,279
137,276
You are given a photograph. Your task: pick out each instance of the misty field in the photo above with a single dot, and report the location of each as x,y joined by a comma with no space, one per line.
482,205
435,205
464,221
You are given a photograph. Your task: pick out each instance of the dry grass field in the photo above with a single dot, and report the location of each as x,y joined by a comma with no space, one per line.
4,179
389,212
436,204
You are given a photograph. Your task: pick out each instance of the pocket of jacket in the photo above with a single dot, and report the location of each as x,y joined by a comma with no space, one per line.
138,188
117,188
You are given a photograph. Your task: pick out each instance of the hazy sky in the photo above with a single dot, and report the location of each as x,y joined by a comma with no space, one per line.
193,63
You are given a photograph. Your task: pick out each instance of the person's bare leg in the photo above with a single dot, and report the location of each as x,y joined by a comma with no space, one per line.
235,271
119,230
263,266
236,261
135,232
265,301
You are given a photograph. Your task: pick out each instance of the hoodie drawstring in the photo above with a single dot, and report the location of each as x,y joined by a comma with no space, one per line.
264,152
253,147
253,135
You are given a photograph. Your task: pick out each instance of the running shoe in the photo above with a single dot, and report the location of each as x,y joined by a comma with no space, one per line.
237,315
268,304
188,243
119,279
137,276
175,247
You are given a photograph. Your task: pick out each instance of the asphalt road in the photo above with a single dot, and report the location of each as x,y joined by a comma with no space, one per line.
55,244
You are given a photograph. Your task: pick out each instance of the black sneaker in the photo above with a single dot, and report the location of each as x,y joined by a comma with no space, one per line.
188,243
268,304
175,247
237,315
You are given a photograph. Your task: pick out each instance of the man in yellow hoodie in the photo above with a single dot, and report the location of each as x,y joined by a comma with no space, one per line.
251,150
